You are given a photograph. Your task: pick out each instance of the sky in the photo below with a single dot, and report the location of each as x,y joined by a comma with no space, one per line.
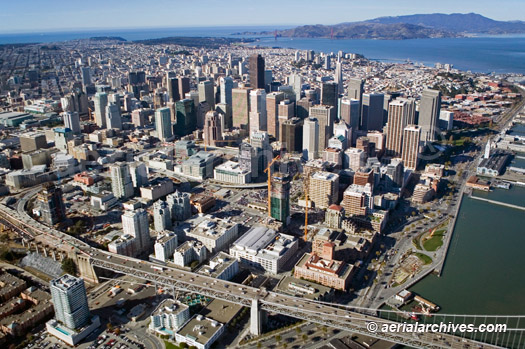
18,16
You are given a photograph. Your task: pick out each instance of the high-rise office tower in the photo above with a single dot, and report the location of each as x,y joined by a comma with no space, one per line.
310,138
139,174
325,116
179,205
356,88
429,114
161,216
329,94
163,124
201,111
139,117
327,62
296,81
101,102
121,183
258,110
113,118
173,89
303,108
226,111
272,112
226,84
184,87
401,112
86,76
135,223
261,142
291,135
212,129
186,117
257,71
339,77
324,189
70,301
206,93
280,197
72,121
286,111
268,79
248,159
62,137
411,143
372,112
350,113
241,107
50,204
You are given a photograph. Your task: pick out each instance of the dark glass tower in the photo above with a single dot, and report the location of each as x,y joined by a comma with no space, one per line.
257,71
280,197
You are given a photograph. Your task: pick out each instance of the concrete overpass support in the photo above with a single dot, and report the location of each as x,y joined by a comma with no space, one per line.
257,318
85,269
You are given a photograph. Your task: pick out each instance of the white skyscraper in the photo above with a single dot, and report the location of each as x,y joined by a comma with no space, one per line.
72,121
429,109
70,301
135,223
226,84
258,121
163,124
121,183
139,174
101,101
310,139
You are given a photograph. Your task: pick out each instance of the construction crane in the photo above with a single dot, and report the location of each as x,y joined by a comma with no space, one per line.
269,171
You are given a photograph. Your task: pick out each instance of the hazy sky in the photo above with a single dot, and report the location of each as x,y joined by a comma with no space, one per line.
43,15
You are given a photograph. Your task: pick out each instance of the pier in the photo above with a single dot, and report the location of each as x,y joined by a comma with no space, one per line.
498,203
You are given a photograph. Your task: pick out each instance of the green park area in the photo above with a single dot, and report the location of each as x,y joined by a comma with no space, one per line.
434,240
424,258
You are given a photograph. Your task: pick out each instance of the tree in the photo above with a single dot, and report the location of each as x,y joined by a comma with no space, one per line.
69,266
183,345
278,338
298,330
304,337
285,345
4,237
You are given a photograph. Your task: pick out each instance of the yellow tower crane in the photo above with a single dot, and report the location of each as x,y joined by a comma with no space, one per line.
269,171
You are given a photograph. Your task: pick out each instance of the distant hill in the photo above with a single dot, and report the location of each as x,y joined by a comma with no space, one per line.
437,25
457,22
107,38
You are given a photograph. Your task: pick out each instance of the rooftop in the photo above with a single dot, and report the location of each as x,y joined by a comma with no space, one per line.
200,329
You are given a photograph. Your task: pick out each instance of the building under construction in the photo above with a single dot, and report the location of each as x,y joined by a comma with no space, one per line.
280,197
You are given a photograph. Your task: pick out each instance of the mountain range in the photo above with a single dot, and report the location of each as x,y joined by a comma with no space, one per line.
419,26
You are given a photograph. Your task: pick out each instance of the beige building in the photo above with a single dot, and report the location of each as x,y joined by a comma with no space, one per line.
324,189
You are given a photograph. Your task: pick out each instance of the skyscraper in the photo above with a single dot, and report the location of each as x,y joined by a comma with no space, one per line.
350,113
339,77
291,135
135,223
310,138
272,112
163,124
70,301
356,88
257,71
401,112
226,84
248,159
411,142
324,189
179,205
113,118
212,129
184,87
329,94
161,216
280,197
139,174
206,93
429,110
121,183
325,116
101,101
173,89
86,76
50,204
186,117
72,121
241,107
258,111
372,112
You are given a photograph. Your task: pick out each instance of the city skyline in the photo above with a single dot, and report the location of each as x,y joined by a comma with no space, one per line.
59,15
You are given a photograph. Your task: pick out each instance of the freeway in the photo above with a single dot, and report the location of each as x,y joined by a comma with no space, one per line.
332,315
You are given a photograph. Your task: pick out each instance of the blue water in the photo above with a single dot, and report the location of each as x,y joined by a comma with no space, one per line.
500,54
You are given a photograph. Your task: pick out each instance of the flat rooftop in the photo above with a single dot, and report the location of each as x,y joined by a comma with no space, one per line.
200,329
